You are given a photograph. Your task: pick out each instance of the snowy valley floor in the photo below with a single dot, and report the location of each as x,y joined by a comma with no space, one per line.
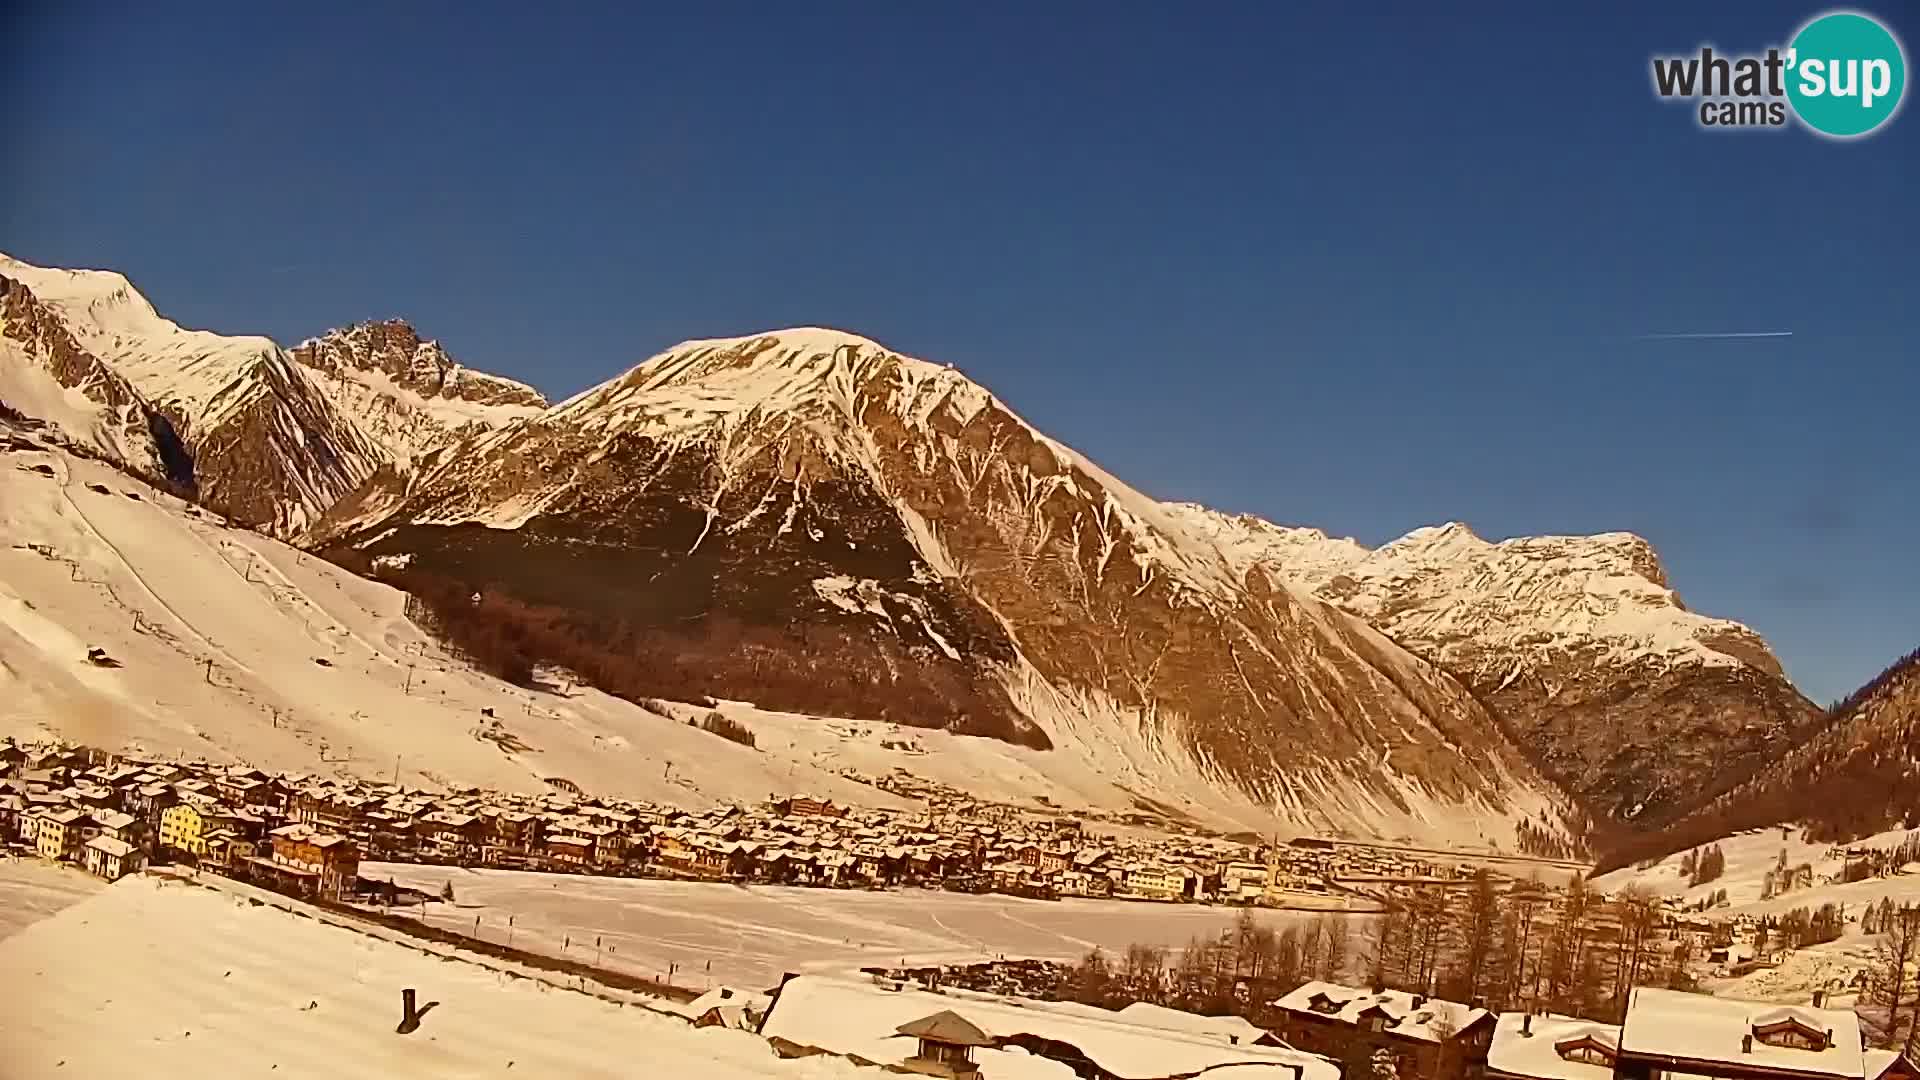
751,935
32,889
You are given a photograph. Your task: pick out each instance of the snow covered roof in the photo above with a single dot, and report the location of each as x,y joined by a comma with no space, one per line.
1541,1054
1694,1027
946,1026
1880,1062
1407,1014
1234,1030
107,845
861,1018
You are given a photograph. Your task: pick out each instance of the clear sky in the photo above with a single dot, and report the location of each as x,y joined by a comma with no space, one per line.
1360,271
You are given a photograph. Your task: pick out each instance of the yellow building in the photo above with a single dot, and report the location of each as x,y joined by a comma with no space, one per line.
183,828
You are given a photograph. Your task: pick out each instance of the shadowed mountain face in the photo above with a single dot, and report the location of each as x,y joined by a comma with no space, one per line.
888,518
1856,773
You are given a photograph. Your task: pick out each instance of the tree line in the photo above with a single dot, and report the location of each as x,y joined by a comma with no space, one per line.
1569,951
1890,1009
810,667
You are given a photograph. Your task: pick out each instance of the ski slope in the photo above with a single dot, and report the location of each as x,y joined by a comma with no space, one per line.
161,978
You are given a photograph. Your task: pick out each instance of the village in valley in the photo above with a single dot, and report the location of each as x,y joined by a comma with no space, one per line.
112,813
1413,965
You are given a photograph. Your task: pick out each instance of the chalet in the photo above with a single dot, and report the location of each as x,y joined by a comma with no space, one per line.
1527,1046
1429,1038
1668,1032
808,806
112,858
511,832
453,835
149,800
570,850
311,862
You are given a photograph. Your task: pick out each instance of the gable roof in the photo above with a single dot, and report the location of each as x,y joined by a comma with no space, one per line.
1540,1054
1674,1025
946,1026
1423,1022
858,1017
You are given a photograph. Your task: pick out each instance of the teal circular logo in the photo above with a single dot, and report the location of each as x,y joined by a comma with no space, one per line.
1846,74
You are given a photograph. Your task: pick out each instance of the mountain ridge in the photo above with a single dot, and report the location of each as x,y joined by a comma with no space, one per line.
836,498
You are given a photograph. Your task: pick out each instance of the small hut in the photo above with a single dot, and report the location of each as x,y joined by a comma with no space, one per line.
947,1040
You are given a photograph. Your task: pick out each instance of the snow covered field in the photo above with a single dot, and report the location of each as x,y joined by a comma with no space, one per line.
751,935
31,890
157,978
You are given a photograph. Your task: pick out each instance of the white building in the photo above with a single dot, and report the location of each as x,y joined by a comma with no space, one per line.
112,858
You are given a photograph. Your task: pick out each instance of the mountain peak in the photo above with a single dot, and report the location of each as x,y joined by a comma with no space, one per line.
392,349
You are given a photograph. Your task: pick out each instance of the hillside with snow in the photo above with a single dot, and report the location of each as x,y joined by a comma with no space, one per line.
1578,644
160,978
900,545
230,646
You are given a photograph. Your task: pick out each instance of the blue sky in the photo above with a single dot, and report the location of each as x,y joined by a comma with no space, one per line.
1365,271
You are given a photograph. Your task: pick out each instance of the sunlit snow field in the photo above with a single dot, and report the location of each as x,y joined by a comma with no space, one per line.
751,935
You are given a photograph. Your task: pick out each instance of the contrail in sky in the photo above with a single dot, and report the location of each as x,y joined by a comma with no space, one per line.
1717,334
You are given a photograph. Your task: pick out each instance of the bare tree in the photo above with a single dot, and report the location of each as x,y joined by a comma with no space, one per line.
1479,925
1339,944
1898,949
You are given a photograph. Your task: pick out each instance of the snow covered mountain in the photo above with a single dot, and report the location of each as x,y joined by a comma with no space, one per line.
49,377
273,441
809,520
408,394
1577,643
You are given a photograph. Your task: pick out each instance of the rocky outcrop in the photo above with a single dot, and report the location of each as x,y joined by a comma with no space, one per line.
274,441
117,420
1578,645
394,349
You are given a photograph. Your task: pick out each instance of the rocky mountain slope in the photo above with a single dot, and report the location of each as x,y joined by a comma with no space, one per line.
274,442
1577,643
407,394
885,531
47,375
1858,774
